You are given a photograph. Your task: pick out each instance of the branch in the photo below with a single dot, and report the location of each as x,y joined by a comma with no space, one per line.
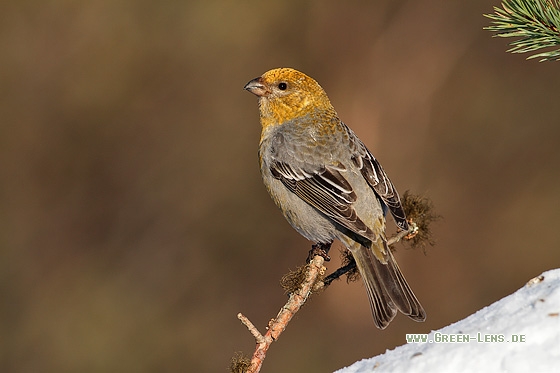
276,326
311,283
535,22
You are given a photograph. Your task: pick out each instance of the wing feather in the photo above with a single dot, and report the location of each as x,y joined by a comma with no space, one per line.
377,178
327,190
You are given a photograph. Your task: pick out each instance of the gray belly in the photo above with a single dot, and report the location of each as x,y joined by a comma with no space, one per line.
305,219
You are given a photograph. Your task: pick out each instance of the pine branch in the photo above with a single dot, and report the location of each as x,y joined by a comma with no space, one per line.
535,22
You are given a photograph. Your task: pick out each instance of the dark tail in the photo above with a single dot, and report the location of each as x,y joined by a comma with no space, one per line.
386,287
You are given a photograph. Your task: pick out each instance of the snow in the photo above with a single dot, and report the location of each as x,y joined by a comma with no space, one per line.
532,313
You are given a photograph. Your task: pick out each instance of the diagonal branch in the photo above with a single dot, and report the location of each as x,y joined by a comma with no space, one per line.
277,325
312,283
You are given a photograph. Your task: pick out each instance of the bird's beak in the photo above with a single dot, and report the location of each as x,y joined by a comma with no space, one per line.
256,87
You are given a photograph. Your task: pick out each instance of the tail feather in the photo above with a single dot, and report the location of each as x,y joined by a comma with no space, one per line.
386,287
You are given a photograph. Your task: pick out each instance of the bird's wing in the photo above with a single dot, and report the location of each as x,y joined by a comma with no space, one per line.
325,189
377,178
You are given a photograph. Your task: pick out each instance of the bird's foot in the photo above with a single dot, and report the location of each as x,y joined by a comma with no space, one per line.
321,249
412,231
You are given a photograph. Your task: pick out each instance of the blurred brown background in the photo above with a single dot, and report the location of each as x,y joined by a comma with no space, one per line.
134,225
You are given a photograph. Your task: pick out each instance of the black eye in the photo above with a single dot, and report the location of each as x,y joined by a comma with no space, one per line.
282,86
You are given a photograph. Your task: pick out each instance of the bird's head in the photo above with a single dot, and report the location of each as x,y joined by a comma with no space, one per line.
285,94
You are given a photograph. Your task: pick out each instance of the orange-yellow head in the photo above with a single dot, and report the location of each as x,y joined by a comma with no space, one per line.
285,94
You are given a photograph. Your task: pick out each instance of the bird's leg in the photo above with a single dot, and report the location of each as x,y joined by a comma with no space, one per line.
350,267
321,249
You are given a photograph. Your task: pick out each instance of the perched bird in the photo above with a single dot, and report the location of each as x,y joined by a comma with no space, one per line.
328,184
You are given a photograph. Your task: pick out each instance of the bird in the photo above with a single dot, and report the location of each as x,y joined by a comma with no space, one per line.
329,186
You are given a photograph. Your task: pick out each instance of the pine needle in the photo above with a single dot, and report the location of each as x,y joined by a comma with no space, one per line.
535,22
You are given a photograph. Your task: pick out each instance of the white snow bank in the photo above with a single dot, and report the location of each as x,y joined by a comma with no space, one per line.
519,333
